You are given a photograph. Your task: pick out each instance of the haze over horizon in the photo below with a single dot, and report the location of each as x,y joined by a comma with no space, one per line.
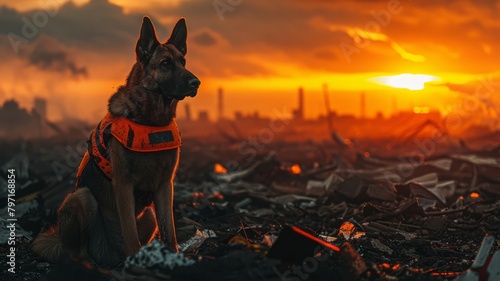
260,53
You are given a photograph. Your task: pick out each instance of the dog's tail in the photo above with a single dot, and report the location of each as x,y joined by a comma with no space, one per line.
48,245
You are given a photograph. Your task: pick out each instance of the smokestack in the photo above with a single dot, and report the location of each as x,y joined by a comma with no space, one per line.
363,105
300,110
221,103
328,110
188,112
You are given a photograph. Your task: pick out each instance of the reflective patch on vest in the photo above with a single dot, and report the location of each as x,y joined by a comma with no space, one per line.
161,137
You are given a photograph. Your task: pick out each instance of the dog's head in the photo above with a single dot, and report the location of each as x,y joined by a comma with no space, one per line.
158,80
163,64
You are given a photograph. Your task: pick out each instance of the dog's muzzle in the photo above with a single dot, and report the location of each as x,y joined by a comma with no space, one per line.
193,84
191,88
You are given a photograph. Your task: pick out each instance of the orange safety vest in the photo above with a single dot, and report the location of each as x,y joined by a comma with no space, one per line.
133,136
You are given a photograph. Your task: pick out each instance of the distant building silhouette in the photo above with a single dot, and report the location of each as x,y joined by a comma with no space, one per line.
298,114
203,116
238,115
188,112
363,105
220,104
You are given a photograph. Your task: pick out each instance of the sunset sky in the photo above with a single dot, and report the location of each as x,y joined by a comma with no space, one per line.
260,52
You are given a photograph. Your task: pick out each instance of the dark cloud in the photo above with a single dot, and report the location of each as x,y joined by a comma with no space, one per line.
467,89
47,59
483,86
476,93
484,89
95,25
437,30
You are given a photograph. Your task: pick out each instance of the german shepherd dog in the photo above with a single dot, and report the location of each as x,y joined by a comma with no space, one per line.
106,219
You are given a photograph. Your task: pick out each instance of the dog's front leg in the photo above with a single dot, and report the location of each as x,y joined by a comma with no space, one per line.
125,203
164,205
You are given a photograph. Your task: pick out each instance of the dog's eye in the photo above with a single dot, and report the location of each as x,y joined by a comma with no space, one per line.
166,64
183,61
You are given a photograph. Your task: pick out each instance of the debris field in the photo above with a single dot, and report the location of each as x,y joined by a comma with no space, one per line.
303,210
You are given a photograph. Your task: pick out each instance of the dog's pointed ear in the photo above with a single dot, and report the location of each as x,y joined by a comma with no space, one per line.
147,42
179,36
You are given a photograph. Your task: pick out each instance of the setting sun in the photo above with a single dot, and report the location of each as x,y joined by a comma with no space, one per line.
406,81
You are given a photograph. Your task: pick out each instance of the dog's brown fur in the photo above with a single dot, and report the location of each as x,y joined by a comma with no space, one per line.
111,222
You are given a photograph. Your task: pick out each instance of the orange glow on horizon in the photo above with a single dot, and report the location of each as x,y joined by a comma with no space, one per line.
245,94
419,74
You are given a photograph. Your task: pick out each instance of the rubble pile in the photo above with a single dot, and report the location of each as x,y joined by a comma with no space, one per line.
307,211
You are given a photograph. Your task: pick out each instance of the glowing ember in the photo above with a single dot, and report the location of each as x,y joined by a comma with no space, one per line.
219,169
474,195
295,169
385,265
218,195
347,229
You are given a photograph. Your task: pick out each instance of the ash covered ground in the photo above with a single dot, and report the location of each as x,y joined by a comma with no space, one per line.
339,209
